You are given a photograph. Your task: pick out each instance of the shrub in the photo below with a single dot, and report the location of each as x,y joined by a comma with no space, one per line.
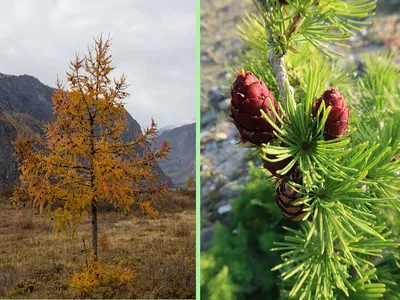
100,279
237,261
182,229
22,287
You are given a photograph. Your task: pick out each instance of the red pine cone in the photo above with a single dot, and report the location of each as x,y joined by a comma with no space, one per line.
286,197
273,167
338,118
249,96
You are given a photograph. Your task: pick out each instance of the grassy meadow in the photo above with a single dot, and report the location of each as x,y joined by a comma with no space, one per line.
35,263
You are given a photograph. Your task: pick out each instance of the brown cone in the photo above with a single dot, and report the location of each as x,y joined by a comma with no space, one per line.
274,167
286,199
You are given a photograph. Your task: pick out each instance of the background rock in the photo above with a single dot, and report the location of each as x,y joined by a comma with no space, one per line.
182,159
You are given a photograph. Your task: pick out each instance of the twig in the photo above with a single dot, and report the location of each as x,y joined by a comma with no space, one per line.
278,64
293,27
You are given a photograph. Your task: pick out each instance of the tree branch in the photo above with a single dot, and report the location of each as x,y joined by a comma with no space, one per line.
276,60
278,64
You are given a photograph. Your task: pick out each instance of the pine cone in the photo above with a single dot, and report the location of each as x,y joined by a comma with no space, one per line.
249,96
338,118
286,198
273,167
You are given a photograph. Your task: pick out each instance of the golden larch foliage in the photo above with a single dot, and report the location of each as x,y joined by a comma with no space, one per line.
146,209
97,277
82,157
190,183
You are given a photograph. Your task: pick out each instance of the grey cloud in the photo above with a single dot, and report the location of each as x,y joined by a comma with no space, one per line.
153,43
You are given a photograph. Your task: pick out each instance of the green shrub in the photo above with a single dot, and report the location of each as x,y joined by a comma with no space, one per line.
22,287
238,266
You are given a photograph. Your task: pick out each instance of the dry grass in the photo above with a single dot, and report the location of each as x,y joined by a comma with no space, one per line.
179,200
34,263
182,229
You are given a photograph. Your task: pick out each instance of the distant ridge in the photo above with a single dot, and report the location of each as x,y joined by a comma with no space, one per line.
182,161
166,128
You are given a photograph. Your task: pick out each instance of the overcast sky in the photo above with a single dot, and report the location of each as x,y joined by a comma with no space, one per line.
153,44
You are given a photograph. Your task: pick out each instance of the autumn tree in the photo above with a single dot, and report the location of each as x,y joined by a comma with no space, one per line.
82,158
190,183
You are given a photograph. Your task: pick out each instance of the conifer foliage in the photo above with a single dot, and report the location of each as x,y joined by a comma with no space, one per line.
96,277
82,158
334,156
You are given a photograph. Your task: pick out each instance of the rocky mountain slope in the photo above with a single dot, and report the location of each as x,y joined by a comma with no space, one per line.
8,133
25,106
183,156
166,128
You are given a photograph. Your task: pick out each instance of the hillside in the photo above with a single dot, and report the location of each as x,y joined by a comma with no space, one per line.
183,156
25,106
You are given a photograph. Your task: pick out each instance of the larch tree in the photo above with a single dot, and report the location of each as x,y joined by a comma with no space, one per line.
190,183
82,158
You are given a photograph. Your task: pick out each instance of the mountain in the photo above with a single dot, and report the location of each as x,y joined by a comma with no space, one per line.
25,106
7,133
166,128
182,160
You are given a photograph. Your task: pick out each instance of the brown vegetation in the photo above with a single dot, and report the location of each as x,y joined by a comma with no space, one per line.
34,263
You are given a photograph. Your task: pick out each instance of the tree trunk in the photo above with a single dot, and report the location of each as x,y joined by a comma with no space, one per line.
95,244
